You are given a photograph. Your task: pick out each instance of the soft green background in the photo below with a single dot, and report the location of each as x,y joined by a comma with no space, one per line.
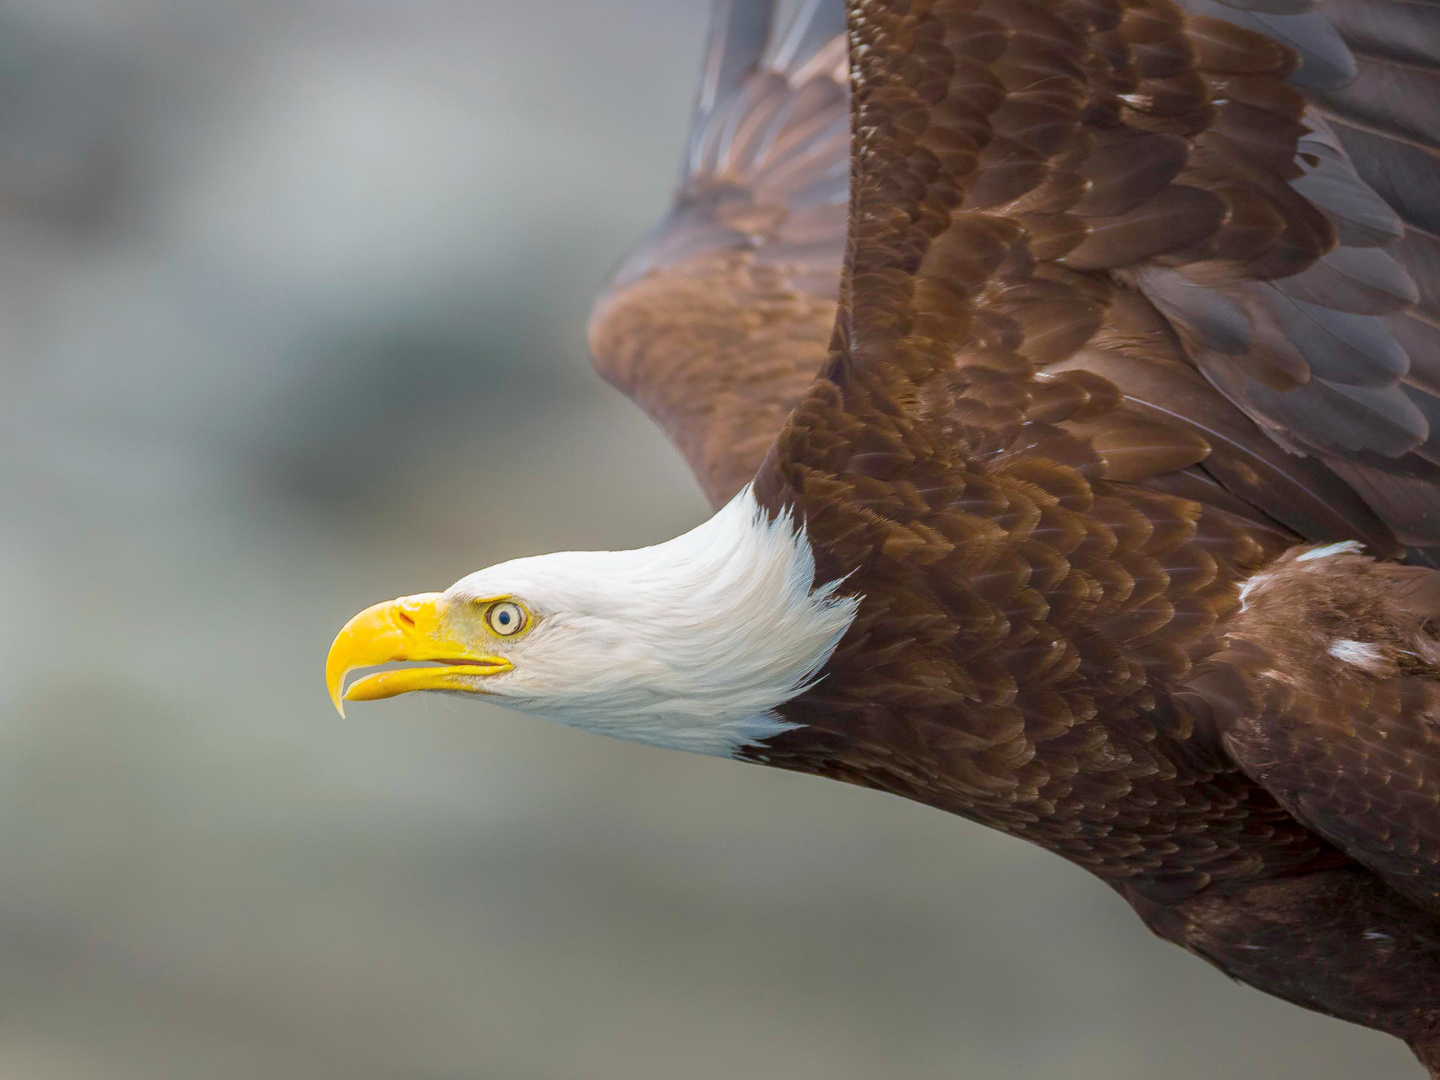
291,307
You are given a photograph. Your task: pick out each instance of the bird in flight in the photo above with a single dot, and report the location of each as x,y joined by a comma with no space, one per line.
1065,376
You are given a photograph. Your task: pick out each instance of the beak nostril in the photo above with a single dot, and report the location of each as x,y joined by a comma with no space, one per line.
406,619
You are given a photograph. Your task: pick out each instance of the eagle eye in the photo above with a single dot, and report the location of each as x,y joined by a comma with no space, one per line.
506,618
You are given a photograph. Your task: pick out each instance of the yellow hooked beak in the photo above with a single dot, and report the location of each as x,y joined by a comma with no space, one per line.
410,628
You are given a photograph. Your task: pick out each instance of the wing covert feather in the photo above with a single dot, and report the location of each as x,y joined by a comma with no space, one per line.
1189,166
1338,362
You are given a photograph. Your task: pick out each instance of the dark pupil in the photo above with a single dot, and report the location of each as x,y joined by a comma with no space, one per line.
504,618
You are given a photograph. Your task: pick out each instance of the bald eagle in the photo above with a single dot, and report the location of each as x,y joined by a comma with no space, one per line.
1065,375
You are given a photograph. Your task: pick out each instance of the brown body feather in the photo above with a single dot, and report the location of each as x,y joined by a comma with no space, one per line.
1120,326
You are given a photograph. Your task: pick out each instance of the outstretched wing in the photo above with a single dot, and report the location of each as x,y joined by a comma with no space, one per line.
1184,221
1074,224
1323,349
718,321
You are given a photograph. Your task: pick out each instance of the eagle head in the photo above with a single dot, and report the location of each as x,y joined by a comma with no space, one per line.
691,644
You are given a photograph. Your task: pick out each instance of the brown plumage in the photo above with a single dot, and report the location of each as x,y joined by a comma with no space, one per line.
1140,298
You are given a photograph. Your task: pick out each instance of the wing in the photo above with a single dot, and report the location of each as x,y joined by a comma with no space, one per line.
1305,285
1043,557
719,320
1020,451
1186,224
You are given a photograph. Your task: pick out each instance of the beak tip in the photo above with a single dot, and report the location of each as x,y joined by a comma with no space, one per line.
335,680
336,688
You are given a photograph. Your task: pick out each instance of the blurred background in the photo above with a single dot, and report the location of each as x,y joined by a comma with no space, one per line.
291,308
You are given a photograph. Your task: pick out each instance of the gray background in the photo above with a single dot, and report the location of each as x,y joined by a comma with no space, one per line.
291,307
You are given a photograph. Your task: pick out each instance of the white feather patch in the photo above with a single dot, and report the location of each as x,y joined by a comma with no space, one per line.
1362,654
1354,547
691,644
1250,584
